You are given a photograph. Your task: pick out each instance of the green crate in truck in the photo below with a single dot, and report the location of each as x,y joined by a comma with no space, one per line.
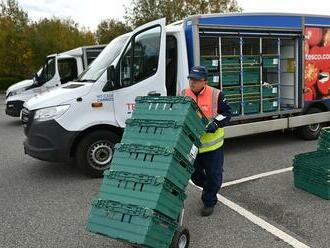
168,133
270,61
153,161
251,76
251,90
230,60
179,108
154,192
235,106
251,106
134,224
269,91
233,90
213,80
230,78
270,105
251,60
211,63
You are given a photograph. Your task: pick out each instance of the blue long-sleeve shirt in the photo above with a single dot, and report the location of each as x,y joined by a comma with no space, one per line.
224,110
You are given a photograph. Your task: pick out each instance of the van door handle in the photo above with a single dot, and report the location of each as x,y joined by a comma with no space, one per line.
153,93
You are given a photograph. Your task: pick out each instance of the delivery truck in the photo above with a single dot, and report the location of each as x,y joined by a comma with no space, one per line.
58,69
273,68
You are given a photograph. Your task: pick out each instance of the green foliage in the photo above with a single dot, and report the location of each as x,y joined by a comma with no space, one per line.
24,45
143,11
109,29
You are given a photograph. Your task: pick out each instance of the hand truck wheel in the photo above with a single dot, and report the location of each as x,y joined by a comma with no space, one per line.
181,238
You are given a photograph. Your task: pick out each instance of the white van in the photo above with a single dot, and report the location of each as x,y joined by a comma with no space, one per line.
58,69
261,73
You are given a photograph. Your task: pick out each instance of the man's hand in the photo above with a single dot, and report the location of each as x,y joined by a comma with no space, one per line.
212,127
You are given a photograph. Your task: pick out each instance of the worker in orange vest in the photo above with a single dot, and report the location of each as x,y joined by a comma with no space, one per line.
208,165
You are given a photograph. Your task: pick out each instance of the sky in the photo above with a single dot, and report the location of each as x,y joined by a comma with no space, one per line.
90,13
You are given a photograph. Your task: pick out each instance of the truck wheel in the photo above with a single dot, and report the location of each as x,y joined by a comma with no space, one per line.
181,238
311,132
94,152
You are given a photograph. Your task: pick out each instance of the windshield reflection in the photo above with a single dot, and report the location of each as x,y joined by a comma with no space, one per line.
105,58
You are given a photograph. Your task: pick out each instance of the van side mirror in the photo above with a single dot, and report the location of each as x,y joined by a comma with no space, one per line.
111,79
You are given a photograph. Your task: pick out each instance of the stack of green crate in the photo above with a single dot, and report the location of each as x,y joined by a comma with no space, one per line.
231,70
270,97
212,65
142,194
324,139
312,170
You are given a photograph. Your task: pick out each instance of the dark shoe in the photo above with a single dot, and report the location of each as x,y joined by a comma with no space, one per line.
207,211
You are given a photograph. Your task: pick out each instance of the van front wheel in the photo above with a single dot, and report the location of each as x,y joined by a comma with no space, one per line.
95,151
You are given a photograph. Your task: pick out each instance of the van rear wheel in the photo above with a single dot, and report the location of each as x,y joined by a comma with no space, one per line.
95,151
312,131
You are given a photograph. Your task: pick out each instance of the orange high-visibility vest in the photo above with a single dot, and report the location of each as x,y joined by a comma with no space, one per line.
207,101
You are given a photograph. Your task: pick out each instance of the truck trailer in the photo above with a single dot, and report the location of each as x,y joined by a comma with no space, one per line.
272,67
58,69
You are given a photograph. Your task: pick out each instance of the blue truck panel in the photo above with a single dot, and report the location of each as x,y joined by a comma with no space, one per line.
274,21
189,43
317,21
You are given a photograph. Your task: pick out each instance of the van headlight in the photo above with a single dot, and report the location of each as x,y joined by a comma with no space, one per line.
50,113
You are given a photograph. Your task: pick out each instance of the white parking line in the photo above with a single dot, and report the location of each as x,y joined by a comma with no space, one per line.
255,219
266,174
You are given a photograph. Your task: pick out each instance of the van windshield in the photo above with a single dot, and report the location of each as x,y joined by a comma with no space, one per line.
105,58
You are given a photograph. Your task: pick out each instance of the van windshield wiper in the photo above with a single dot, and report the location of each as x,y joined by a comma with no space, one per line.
85,80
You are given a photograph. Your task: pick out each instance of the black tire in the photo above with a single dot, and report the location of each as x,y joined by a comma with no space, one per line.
94,152
311,132
181,238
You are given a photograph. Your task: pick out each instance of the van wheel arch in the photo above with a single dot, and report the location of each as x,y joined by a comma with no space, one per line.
91,145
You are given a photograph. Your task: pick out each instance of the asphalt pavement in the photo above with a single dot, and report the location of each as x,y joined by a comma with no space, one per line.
46,204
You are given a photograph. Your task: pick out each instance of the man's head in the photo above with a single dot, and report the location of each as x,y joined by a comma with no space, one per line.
197,78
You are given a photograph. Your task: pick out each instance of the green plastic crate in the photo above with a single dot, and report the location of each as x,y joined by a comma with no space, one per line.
210,63
270,61
180,108
162,133
134,224
251,76
316,158
312,185
270,91
153,161
251,59
251,106
253,90
231,91
324,139
213,80
156,193
319,173
230,78
235,107
232,60
270,105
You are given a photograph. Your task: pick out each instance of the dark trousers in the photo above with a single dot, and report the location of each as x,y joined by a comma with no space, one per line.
208,175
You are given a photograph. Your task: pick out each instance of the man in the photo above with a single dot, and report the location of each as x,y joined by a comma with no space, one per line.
209,162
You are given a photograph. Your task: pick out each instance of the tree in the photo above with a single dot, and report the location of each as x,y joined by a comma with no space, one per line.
109,29
142,11
15,53
54,36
